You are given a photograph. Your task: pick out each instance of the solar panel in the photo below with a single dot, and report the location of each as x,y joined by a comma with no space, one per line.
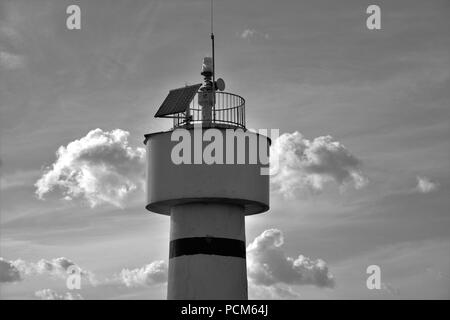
177,100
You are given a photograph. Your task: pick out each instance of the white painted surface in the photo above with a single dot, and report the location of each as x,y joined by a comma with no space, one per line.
203,220
169,184
207,277
203,276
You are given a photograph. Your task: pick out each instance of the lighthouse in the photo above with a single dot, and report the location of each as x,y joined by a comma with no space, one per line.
206,174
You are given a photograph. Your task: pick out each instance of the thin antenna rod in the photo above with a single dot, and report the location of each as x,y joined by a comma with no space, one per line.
212,16
212,38
213,59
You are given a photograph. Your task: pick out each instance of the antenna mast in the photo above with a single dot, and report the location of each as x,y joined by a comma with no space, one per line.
213,60
212,38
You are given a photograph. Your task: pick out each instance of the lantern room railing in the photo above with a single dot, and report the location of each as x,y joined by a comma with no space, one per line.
229,111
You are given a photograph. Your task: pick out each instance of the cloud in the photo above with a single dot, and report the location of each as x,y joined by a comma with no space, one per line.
54,267
11,61
101,168
17,270
424,185
153,273
9,272
274,292
305,164
49,294
267,264
250,33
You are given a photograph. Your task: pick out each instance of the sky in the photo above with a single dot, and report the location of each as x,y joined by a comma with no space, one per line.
364,145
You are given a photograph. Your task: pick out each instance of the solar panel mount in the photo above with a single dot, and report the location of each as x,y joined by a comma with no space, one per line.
177,101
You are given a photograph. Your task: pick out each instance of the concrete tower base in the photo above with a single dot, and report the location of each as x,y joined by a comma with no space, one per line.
207,252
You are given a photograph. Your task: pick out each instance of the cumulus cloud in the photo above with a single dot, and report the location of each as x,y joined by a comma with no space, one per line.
101,168
267,264
17,270
54,267
153,273
425,185
9,272
49,294
305,164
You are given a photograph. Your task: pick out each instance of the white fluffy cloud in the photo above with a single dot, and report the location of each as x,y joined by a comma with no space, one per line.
267,264
49,294
311,164
103,168
153,273
425,185
17,270
55,267
100,168
9,272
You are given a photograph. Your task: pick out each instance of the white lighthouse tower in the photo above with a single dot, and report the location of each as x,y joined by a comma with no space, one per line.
207,201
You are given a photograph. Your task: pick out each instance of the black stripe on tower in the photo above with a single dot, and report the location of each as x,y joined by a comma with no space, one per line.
207,245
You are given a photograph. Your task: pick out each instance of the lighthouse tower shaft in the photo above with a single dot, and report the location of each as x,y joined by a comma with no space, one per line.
207,252
207,204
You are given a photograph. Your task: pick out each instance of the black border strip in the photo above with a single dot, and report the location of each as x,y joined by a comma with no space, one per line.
207,245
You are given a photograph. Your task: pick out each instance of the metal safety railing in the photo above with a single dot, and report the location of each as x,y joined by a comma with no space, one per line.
229,110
